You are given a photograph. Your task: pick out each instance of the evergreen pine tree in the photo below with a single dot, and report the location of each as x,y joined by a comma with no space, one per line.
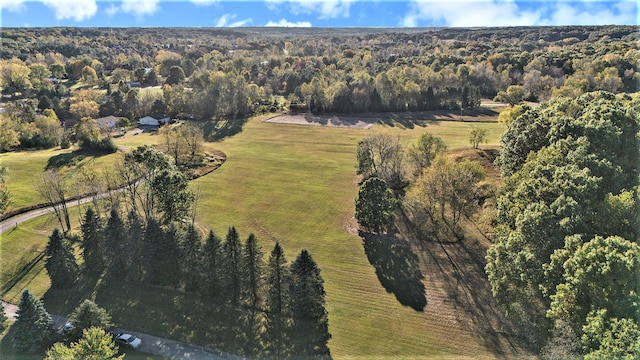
191,259
232,290
232,267
3,318
168,261
277,314
87,315
55,243
211,269
252,277
115,241
153,235
92,242
310,328
60,262
135,235
33,327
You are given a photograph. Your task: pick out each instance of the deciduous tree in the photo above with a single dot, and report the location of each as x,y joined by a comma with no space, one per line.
171,189
375,205
425,151
88,315
5,193
477,136
95,344
53,189
382,156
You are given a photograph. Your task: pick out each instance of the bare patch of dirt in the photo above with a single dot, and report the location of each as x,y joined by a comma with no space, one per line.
366,120
345,121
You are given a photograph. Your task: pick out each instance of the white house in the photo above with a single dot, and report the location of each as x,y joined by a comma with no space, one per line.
108,122
149,120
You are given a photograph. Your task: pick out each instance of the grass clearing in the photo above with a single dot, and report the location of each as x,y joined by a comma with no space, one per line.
25,166
296,184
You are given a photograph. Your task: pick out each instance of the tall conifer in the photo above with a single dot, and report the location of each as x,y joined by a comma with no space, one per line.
153,235
33,327
253,279
310,328
92,242
60,262
191,259
277,314
211,266
232,265
134,246
115,241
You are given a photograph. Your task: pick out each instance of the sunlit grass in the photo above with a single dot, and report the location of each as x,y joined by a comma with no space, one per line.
25,168
296,185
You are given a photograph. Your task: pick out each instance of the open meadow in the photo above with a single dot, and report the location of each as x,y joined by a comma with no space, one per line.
25,168
297,184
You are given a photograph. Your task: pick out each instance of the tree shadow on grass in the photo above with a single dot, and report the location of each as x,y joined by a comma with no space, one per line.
218,130
72,158
64,301
397,268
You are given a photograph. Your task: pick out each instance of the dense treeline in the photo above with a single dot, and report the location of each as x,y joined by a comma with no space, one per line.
225,74
266,309
566,258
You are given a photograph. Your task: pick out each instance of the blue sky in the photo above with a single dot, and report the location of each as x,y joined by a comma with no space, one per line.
308,13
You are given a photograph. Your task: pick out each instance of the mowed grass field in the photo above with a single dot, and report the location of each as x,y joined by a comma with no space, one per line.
25,168
296,184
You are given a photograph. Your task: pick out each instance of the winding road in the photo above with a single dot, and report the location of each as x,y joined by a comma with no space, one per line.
17,219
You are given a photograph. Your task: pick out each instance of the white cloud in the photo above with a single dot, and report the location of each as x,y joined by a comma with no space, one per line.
204,2
325,9
112,10
225,21
286,23
77,10
273,5
12,5
592,14
140,8
470,13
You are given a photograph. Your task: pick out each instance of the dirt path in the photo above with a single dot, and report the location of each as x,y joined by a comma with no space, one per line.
367,120
150,344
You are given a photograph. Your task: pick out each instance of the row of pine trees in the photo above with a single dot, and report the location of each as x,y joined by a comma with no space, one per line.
270,309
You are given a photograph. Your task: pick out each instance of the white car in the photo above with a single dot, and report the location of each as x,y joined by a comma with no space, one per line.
128,340
67,327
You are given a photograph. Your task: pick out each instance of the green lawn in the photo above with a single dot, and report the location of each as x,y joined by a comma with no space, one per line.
25,166
296,184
